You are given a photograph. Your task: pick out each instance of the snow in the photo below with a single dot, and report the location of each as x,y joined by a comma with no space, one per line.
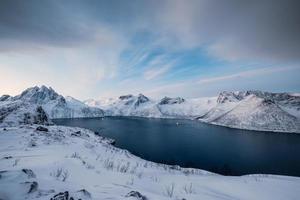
252,110
190,108
13,109
89,167
256,111
56,161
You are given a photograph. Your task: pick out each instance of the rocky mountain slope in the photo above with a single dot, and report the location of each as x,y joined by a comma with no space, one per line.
254,110
64,163
18,109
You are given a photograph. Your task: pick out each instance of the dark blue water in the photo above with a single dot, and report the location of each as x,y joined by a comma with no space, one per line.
198,145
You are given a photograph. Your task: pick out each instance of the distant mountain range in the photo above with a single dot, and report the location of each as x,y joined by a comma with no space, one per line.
253,110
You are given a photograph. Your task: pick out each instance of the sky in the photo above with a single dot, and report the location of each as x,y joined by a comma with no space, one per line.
189,48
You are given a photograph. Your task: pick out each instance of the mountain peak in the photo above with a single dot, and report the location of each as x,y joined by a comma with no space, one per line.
38,94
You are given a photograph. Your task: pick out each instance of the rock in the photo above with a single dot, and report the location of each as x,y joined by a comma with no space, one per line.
41,116
29,173
170,101
4,97
112,142
125,97
7,157
41,128
77,134
141,99
33,186
62,196
85,193
137,195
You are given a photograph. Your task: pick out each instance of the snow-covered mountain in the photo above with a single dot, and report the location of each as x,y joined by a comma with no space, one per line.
142,106
25,107
254,110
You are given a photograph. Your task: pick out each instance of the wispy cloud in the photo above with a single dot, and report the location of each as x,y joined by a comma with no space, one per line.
159,66
246,74
156,72
196,88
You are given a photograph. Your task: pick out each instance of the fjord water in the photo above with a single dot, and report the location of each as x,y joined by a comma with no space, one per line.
189,143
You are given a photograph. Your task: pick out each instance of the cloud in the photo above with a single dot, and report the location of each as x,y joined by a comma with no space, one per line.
158,71
88,39
247,74
237,30
159,66
207,86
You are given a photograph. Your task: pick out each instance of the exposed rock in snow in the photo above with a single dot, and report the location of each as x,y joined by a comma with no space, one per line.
124,97
36,104
4,97
141,99
168,100
86,166
18,112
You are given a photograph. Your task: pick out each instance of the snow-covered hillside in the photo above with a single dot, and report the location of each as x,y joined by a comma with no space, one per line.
254,110
56,162
14,110
142,106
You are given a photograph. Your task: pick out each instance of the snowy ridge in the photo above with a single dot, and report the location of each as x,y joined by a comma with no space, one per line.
253,110
14,110
62,162
142,106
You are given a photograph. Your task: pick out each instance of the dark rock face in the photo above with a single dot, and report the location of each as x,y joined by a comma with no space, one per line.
40,128
61,196
29,173
141,99
41,116
77,134
4,97
168,100
37,117
33,186
123,97
137,195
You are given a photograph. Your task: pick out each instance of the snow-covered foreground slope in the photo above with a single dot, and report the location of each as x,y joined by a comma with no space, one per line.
252,110
15,110
74,162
